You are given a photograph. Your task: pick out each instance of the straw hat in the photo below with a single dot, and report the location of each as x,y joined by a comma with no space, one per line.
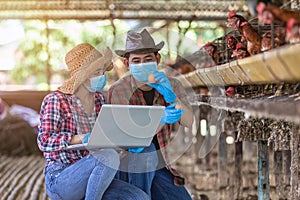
140,42
82,61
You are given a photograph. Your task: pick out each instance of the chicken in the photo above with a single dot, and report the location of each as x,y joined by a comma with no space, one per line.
231,41
231,45
270,13
279,39
230,91
240,51
202,59
249,34
183,66
292,31
212,51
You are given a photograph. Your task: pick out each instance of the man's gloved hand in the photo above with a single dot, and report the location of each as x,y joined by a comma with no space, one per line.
171,114
163,86
86,138
136,150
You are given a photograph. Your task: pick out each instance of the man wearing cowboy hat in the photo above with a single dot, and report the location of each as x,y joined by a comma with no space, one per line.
67,117
141,58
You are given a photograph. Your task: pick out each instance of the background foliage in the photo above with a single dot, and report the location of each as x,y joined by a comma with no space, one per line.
41,52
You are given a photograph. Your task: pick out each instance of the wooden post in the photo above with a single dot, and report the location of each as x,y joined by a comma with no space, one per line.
222,162
263,185
278,174
238,162
286,165
207,149
294,165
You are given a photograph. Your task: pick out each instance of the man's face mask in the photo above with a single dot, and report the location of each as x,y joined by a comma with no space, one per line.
141,71
97,83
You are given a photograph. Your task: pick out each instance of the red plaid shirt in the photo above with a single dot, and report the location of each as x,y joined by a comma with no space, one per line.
125,91
61,116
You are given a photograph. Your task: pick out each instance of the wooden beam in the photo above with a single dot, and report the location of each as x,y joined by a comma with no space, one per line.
287,110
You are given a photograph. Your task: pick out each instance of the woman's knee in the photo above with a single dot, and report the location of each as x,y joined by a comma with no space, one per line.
107,157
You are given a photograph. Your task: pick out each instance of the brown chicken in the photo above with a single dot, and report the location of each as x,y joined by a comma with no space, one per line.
240,51
212,51
279,39
231,41
183,66
270,13
292,31
247,31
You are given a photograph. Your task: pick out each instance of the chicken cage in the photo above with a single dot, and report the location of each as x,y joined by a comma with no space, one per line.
272,35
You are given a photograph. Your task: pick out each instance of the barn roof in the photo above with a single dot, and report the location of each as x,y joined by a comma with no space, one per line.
119,9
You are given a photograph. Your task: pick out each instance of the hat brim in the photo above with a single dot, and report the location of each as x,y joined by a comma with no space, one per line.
68,86
71,85
156,48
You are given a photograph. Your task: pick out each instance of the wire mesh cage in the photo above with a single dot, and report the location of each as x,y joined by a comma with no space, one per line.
272,36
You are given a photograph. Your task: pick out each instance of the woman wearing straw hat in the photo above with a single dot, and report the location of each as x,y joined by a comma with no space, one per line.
67,117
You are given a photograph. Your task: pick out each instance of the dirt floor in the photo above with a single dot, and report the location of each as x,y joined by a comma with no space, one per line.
21,162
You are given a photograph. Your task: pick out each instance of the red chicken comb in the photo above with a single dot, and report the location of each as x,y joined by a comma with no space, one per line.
229,38
209,44
239,45
231,14
230,92
290,24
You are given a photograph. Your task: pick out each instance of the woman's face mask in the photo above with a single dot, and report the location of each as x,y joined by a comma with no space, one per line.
97,83
141,71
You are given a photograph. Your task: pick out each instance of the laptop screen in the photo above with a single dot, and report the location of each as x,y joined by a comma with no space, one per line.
126,125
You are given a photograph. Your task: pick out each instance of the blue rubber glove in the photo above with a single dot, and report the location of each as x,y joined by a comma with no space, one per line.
86,138
136,150
163,86
171,114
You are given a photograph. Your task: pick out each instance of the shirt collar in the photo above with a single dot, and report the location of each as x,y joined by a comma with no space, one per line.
140,93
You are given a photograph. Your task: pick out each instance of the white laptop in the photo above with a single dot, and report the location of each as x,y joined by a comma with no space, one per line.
123,126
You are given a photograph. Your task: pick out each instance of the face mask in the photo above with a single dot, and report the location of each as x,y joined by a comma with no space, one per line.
141,71
97,83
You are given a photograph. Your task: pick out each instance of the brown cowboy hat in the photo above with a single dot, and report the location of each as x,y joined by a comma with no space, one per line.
82,61
136,42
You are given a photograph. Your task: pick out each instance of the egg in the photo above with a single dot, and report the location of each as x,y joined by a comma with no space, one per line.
178,106
110,67
151,78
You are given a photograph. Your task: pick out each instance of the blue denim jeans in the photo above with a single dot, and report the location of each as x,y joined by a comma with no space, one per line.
163,187
138,169
87,179
120,190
